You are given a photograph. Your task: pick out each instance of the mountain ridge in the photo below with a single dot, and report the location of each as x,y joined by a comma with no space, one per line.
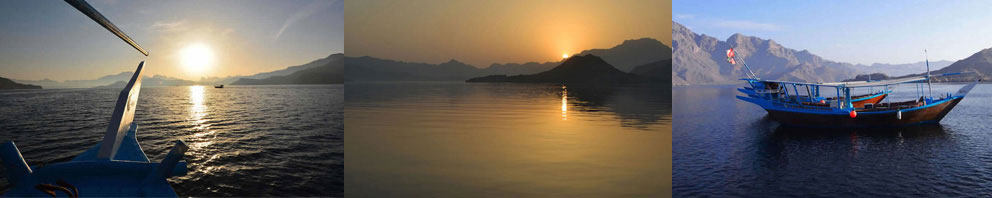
113,80
10,84
978,66
630,53
324,71
701,59
580,69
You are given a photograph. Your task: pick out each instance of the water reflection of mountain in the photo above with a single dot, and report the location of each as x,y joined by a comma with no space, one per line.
635,106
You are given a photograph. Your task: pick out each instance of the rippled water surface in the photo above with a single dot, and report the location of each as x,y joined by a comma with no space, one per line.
431,139
244,140
725,147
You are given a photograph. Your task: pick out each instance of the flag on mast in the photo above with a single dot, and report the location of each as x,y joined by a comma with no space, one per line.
730,56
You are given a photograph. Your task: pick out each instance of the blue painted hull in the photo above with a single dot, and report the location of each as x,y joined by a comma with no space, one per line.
125,176
822,117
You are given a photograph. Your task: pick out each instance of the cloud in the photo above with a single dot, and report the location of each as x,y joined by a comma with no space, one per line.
685,16
168,26
303,13
749,25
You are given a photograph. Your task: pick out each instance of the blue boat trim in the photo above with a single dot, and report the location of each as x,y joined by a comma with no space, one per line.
126,172
872,96
834,111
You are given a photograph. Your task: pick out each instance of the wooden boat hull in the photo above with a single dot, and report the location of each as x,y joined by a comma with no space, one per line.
923,115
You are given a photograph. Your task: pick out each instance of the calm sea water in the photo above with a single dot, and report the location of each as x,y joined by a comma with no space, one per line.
244,140
725,147
436,139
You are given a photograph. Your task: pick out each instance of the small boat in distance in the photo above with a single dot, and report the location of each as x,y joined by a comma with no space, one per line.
218,86
804,105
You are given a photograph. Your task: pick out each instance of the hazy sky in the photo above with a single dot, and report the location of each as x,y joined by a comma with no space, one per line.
851,31
50,39
485,32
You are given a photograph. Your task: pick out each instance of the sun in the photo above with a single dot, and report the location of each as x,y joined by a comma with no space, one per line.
197,58
564,55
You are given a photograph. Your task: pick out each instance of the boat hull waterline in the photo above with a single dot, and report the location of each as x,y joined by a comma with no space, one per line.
927,114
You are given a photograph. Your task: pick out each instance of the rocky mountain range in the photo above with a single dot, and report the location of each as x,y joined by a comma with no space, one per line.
10,84
903,69
584,69
978,66
113,79
625,57
701,59
657,71
633,53
327,70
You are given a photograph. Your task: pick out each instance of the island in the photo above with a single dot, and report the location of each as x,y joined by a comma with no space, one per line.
10,84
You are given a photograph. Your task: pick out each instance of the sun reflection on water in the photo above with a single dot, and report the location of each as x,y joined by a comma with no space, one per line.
198,111
564,103
198,114
202,136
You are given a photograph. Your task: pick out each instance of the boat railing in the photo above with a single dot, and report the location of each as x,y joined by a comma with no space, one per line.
801,106
767,91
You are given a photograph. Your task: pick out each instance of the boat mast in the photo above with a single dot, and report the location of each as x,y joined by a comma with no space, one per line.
744,63
927,59
748,68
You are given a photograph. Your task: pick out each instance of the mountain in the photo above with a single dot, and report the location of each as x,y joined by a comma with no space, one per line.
701,59
517,69
375,69
625,56
979,64
659,71
10,84
290,74
633,53
277,74
162,81
586,69
292,69
105,80
866,77
47,83
329,71
903,69
154,81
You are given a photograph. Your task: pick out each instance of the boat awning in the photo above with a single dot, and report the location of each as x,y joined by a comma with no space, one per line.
856,84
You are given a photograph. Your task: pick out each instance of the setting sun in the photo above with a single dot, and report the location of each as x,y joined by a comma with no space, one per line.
563,55
197,58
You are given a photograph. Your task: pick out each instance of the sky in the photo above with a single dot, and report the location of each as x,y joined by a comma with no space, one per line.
50,39
481,33
862,32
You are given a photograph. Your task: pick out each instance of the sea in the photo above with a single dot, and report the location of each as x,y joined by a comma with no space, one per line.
725,147
280,140
456,139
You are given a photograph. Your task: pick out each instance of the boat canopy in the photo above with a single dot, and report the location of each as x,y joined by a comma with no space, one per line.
856,84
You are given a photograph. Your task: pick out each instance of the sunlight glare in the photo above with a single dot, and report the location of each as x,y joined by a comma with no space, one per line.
198,110
197,58
564,103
